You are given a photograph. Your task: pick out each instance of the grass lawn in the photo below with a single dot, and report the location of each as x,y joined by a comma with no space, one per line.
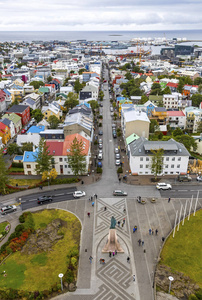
40,271
183,252
3,226
22,182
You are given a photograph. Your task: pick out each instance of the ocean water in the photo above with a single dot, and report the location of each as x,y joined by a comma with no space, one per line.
30,36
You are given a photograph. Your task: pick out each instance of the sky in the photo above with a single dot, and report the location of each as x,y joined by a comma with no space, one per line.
92,15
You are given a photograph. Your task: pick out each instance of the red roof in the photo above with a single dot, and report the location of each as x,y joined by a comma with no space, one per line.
2,126
175,113
55,148
171,84
69,139
196,86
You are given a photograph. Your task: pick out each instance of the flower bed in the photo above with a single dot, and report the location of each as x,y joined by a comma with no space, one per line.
4,230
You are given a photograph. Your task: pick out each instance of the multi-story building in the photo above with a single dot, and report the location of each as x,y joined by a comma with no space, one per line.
176,119
171,100
194,117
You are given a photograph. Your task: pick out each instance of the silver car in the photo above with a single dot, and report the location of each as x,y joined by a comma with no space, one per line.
8,209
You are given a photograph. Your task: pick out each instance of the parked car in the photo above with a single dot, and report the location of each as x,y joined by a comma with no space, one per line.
100,151
100,156
100,146
199,178
100,132
116,150
118,162
8,209
114,135
43,199
119,193
113,126
117,155
163,186
184,178
101,105
111,109
23,131
78,194
99,164
100,141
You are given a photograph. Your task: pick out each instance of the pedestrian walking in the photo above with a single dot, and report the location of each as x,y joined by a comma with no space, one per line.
93,203
124,221
142,243
122,224
105,208
139,241
113,253
168,199
150,231
88,214
133,277
118,223
91,259
110,254
91,198
95,196
128,259
163,239
124,210
119,179
156,231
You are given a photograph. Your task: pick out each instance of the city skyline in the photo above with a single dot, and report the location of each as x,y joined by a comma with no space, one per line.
90,15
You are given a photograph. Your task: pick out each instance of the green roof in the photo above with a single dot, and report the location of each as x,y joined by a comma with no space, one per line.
131,138
163,84
61,94
44,89
155,97
12,117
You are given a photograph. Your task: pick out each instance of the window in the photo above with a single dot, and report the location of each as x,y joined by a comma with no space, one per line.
28,166
178,166
166,172
167,158
147,166
60,159
29,173
166,166
172,166
65,166
65,159
141,158
141,166
173,158
147,158
179,158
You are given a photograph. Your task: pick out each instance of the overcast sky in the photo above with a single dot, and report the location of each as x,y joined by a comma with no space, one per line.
100,15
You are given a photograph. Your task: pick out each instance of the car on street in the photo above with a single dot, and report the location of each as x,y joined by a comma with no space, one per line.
101,105
100,141
78,194
100,146
100,132
5,151
8,209
113,126
119,193
99,164
100,156
111,109
44,198
163,186
118,162
114,135
117,155
116,150
99,150
199,178
23,131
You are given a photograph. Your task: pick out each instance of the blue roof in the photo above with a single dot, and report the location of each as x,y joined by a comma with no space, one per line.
36,129
7,92
18,157
29,156
84,103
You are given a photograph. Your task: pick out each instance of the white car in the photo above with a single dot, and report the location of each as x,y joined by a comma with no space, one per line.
100,156
78,194
199,178
118,162
163,186
8,209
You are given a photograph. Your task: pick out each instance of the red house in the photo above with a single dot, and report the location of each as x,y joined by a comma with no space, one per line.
21,110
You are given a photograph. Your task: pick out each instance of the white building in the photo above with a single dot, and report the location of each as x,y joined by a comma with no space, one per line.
171,100
175,158
176,119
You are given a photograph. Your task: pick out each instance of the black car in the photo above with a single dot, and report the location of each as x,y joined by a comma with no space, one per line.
44,198
100,132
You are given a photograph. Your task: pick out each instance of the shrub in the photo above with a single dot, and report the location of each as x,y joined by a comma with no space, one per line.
193,297
100,124
19,228
17,165
120,170
95,142
22,218
69,276
99,170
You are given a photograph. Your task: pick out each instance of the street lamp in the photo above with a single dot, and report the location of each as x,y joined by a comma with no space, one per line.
171,279
60,276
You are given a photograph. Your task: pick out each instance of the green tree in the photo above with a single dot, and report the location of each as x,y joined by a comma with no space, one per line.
36,84
128,76
177,131
94,105
3,174
199,127
43,158
101,95
166,90
27,147
13,149
187,140
76,158
77,86
53,121
196,99
72,100
200,88
37,114
160,103
198,80
81,71
144,99
49,78
157,162
154,125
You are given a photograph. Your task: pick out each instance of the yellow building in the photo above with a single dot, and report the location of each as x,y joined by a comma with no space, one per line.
51,111
5,133
160,115
19,82
15,93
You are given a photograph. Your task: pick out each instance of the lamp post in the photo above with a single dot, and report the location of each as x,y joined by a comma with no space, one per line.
60,276
170,280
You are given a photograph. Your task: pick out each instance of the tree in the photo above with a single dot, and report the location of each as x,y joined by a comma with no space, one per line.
128,76
36,84
76,158
43,158
160,103
157,162
177,131
196,99
81,71
3,174
187,140
37,114
94,105
166,90
49,78
198,80
53,121
72,100
154,125
13,149
144,99
101,95
27,147
199,127
53,174
77,86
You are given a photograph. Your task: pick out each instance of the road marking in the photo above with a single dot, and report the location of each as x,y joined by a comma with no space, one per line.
182,190
33,200
69,193
59,194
